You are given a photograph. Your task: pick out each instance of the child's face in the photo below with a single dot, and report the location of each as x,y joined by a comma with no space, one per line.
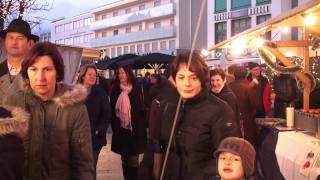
230,166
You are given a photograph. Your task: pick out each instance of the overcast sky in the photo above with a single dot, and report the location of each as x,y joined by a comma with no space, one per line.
69,8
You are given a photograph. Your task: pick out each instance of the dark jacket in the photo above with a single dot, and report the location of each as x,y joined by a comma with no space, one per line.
11,146
263,91
285,90
99,111
58,145
203,122
3,68
125,142
230,98
247,101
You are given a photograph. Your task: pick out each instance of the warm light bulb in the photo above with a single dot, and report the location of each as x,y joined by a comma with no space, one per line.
257,42
285,29
204,52
309,20
239,43
236,51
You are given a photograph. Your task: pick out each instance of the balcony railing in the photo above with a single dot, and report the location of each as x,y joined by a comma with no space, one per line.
134,17
165,32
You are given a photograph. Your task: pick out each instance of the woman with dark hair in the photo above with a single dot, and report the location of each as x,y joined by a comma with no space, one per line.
220,89
58,145
128,121
203,121
98,107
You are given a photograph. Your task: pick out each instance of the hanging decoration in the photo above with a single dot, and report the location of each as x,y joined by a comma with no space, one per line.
315,67
276,67
269,74
313,82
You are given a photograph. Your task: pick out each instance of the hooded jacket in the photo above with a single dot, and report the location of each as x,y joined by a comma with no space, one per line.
58,145
11,146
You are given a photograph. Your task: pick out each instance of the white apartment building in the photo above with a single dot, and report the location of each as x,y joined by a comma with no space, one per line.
73,31
135,26
230,17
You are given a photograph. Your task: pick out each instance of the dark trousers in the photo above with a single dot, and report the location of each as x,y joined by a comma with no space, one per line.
96,153
130,164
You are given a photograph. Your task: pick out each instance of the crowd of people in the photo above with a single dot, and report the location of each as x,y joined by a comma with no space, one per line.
190,123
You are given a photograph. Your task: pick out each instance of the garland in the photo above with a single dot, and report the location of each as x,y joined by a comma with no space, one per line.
276,67
313,82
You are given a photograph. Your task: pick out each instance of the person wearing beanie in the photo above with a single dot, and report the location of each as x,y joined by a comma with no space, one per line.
13,127
263,89
236,159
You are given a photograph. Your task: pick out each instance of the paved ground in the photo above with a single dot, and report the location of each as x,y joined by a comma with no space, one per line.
109,164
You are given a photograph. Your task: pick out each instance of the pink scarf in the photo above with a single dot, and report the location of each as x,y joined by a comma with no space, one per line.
123,107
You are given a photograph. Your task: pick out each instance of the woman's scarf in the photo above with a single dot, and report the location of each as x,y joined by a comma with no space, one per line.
123,107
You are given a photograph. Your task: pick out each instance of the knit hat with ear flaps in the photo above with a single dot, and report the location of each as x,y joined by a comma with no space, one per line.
242,148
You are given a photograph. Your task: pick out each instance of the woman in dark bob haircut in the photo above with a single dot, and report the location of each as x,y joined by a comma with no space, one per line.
203,121
58,145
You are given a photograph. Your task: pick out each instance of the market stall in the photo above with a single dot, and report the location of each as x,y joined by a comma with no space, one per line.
283,152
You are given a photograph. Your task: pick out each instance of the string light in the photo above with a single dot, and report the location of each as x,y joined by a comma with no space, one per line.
309,20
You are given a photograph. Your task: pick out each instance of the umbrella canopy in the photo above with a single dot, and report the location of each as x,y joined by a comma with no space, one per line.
151,59
115,62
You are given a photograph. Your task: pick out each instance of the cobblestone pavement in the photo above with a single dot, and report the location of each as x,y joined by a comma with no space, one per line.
109,163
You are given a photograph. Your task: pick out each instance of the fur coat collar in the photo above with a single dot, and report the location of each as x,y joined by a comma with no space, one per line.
17,124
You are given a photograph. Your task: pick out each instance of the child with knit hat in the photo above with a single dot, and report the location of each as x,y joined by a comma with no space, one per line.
236,158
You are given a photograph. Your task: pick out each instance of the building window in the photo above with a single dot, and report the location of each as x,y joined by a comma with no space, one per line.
115,32
119,51
171,22
77,40
237,4
157,3
77,24
87,21
125,50
115,13
104,34
68,26
154,46
68,41
142,7
113,52
107,52
139,48
220,32
140,27
172,45
263,18
128,29
59,28
220,5
240,25
157,25
86,38
146,47
163,45
294,3
103,17
263,2
128,10
132,49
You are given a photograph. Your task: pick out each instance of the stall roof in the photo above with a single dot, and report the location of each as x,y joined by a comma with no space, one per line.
292,18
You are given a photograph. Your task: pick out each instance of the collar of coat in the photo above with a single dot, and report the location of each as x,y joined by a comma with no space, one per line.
66,95
16,123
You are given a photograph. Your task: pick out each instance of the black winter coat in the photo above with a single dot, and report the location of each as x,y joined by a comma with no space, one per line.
203,122
285,90
230,98
99,111
124,141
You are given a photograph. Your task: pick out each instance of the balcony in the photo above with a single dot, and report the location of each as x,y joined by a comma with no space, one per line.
134,17
165,32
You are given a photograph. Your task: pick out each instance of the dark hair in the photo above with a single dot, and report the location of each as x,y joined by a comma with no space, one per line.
197,66
128,70
232,68
44,49
240,72
218,71
83,71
